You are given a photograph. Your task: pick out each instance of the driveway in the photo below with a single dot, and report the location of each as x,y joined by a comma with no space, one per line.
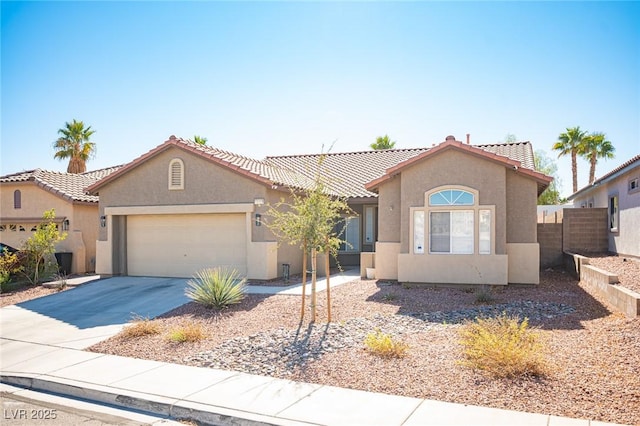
88,314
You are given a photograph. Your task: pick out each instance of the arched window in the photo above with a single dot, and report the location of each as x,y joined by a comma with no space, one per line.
452,222
17,199
176,174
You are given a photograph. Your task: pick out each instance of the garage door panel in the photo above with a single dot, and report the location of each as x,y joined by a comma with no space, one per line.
180,245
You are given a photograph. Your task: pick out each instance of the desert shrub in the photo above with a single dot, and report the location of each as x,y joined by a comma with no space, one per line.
383,344
38,249
484,294
216,288
503,347
140,327
9,265
187,332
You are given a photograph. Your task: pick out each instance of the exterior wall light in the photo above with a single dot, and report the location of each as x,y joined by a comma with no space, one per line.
103,221
258,219
65,225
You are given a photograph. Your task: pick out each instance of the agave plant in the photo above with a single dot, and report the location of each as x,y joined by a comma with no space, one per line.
216,288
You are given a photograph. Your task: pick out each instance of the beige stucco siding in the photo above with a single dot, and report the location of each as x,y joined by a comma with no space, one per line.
521,209
389,210
454,168
83,222
205,183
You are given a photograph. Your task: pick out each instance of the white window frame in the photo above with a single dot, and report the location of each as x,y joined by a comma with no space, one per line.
633,185
176,174
351,227
483,217
614,213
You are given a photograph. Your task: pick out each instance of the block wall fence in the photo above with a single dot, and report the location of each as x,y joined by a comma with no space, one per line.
581,231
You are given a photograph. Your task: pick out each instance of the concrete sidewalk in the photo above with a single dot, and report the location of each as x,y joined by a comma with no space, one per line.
43,353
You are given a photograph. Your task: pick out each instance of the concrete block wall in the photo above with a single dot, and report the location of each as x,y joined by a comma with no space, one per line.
585,230
550,240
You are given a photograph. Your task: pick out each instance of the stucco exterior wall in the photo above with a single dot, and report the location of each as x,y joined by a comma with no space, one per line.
204,183
83,222
521,209
627,240
455,168
389,210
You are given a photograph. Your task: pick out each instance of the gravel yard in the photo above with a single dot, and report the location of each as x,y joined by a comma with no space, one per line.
594,355
628,269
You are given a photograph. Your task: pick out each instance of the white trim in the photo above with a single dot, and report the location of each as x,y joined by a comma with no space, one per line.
180,209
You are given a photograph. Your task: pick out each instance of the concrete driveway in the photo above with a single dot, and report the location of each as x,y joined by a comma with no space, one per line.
88,314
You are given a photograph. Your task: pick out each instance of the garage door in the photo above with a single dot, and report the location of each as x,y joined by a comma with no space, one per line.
180,245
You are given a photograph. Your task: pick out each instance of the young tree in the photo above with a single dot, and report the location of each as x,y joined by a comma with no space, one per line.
510,138
40,246
74,143
546,165
596,146
571,143
200,140
309,221
383,142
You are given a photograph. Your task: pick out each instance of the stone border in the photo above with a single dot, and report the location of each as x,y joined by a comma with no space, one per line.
603,283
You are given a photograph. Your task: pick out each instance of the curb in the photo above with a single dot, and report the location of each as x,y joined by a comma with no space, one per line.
147,403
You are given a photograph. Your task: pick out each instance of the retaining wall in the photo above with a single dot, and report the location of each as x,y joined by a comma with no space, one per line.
604,284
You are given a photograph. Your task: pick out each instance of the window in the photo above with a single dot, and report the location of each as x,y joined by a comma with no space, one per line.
369,224
350,233
176,174
634,185
17,199
456,224
614,217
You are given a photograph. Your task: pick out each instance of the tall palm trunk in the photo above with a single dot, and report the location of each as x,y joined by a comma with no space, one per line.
574,170
592,169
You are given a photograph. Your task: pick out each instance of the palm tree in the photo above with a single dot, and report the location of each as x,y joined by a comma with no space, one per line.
383,142
596,146
75,145
200,140
571,142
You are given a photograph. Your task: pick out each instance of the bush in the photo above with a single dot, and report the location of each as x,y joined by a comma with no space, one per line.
189,332
140,327
484,294
9,265
216,288
382,344
503,347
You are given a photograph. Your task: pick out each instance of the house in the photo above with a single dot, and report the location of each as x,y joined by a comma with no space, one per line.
25,196
452,213
619,192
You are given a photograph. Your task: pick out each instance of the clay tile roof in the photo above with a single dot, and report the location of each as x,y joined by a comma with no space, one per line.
69,186
347,173
260,171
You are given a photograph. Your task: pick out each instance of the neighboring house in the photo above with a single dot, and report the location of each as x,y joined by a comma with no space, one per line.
25,196
619,192
453,213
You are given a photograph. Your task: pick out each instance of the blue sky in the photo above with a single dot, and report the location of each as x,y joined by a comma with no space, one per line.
278,78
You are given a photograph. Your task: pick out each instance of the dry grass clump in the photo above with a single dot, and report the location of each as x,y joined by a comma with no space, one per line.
141,327
503,347
384,345
187,332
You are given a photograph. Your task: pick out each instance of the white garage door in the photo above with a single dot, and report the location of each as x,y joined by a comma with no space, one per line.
180,245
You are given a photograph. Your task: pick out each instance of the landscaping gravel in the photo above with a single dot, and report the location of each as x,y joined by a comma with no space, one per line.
627,269
593,354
